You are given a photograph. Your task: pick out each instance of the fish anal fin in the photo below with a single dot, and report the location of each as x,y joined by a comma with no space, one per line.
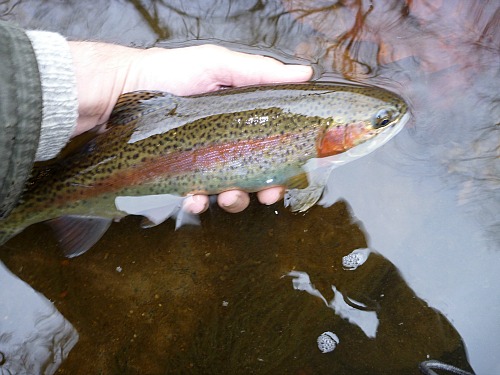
77,234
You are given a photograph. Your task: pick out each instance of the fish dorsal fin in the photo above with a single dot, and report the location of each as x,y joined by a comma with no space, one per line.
77,234
133,105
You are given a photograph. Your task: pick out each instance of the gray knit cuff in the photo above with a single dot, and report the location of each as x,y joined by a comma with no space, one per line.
60,104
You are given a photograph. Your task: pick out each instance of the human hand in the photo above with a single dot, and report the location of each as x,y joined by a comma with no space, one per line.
105,71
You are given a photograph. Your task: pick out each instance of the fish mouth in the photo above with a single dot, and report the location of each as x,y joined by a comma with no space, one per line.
384,135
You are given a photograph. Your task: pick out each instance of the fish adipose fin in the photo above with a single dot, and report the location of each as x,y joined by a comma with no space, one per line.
156,208
77,234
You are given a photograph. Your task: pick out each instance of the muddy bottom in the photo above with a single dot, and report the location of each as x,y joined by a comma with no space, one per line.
217,298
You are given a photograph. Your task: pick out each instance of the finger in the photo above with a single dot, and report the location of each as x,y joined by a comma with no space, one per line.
196,204
240,69
271,195
233,201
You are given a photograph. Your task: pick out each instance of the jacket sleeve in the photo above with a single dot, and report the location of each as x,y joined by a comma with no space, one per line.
20,113
60,104
38,104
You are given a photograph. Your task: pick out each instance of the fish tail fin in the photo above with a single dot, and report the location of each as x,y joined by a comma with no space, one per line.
133,105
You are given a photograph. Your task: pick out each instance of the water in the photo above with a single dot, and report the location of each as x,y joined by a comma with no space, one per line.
219,298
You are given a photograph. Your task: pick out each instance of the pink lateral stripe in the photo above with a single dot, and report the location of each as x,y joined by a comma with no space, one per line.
183,162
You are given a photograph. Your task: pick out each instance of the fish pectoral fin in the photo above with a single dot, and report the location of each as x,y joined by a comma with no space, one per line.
299,181
302,195
303,199
156,208
77,234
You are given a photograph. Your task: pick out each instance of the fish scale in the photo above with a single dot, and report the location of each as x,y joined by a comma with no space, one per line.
159,147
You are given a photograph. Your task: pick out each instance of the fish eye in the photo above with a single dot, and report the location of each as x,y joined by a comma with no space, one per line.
383,117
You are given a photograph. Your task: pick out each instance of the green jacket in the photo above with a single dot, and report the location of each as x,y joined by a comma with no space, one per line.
20,113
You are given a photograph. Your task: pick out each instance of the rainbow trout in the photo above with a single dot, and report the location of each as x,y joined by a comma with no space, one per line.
158,148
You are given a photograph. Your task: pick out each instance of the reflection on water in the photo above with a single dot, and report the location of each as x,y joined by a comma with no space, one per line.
34,337
212,299
354,312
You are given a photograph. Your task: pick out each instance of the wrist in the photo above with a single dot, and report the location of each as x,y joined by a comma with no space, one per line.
101,70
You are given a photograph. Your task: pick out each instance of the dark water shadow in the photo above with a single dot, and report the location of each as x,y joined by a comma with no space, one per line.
218,298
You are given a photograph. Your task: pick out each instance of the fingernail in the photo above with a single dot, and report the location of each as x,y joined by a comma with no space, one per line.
228,204
233,201
195,204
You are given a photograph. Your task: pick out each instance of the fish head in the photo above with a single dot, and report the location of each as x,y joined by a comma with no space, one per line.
369,112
